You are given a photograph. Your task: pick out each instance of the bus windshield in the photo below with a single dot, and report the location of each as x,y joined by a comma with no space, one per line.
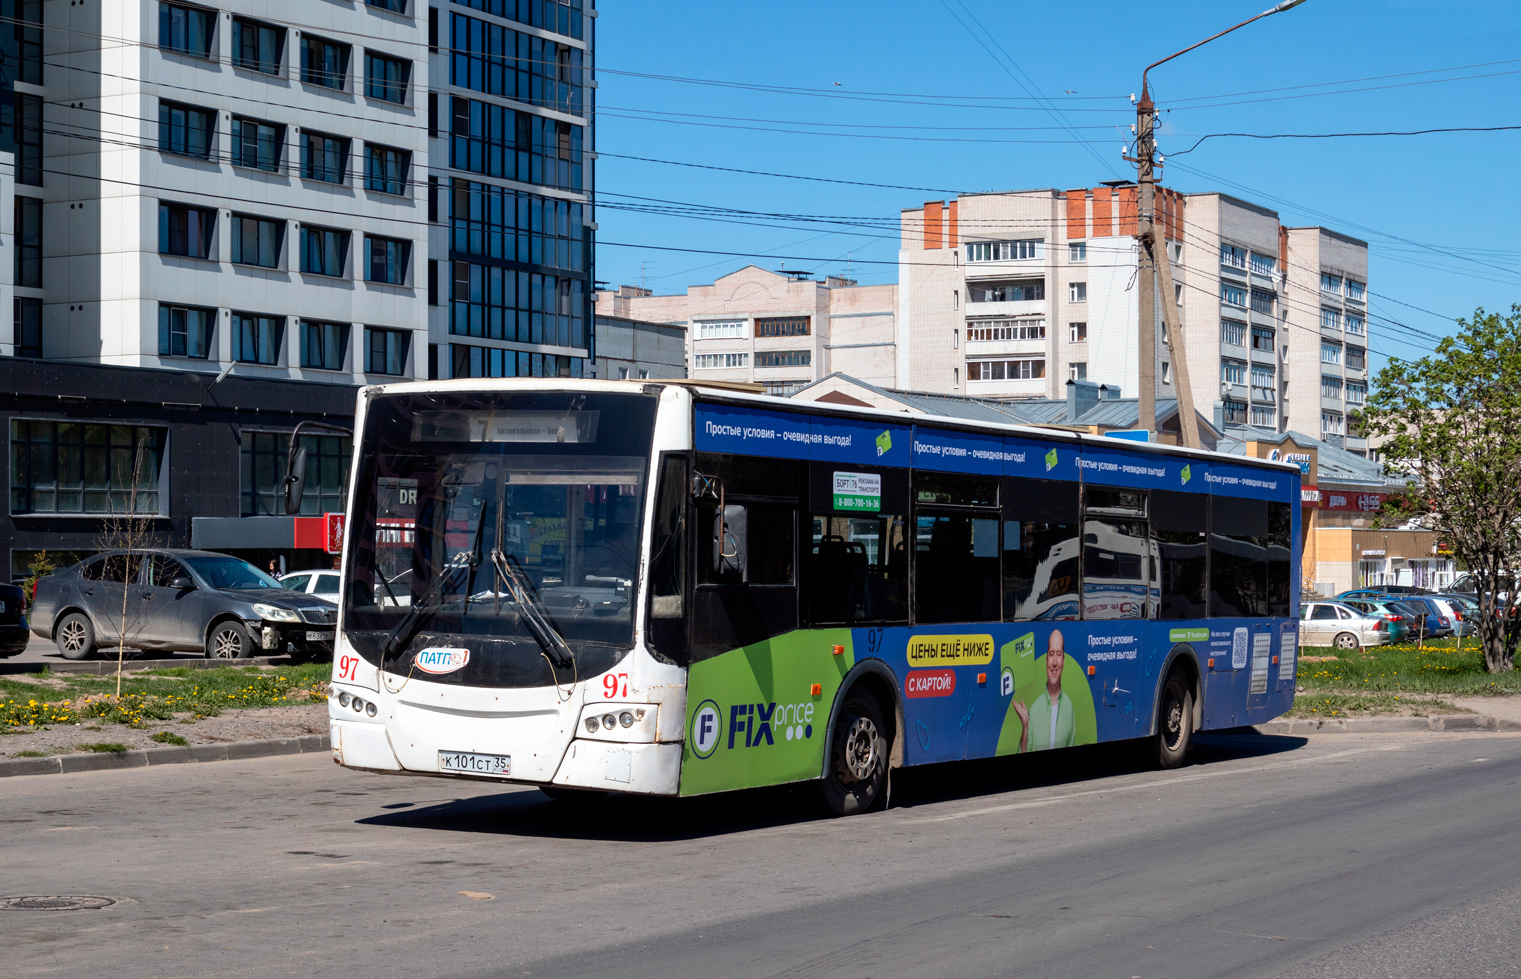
502,523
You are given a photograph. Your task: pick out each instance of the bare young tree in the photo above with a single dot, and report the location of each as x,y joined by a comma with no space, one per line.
128,532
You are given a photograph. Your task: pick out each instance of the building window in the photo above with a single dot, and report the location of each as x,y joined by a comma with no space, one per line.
955,298
387,259
187,30
324,63
782,326
472,361
1005,370
1330,318
324,157
1262,302
1232,332
1077,332
27,327
185,130
73,467
1232,295
324,345
783,389
721,330
1262,379
1356,325
1004,251
783,358
28,109
1357,392
1357,358
1263,264
385,351
1034,329
1232,372
185,331
386,169
1330,387
28,36
501,142
1235,412
386,78
257,46
394,6
1166,372
1330,282
1077,252
1020,290
256,144
1262,338
256,241
256,339
543,72
1331,423
1356,290
1265,416
1078,371
324,251
1330,353
715,361
1077,292
28,231
185,230
1232,257
263,456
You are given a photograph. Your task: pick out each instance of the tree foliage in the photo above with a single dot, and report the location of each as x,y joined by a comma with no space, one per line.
1452,425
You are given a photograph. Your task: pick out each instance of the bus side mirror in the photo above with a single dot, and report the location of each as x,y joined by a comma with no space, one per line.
729,541
295,479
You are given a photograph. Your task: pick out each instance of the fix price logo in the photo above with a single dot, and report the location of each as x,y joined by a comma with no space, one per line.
750,725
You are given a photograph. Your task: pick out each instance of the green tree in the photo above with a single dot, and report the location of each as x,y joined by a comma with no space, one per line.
1452,425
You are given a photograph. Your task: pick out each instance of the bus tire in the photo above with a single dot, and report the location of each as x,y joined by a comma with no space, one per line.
855,777
1175,724
570,796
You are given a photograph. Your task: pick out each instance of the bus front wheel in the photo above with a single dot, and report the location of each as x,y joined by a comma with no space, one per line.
1175,724
856,774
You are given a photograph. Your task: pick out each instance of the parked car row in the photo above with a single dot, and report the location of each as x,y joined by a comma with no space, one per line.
1415,613
178,600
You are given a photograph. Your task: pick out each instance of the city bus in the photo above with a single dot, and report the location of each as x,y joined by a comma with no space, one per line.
666,588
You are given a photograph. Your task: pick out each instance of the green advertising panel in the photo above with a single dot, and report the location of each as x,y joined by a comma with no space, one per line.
1068,719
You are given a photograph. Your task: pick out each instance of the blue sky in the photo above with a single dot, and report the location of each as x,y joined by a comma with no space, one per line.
927,105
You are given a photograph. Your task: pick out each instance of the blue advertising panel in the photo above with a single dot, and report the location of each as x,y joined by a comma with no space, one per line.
756,431
1253,484
1144,470
1042,460
964,452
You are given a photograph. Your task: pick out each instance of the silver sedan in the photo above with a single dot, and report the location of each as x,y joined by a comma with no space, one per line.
1335,624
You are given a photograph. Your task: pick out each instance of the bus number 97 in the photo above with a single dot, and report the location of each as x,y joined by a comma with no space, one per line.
348,667
615,685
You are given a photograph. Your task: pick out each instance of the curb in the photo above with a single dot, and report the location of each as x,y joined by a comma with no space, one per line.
171,755
108,667
1385,725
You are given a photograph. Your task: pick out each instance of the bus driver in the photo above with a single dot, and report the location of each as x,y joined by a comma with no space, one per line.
1051,716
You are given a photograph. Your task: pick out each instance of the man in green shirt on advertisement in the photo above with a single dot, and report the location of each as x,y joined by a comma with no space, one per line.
1048,721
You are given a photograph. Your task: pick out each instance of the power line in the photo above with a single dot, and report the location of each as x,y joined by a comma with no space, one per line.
1411,132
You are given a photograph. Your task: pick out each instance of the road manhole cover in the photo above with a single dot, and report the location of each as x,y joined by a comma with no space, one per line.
56,902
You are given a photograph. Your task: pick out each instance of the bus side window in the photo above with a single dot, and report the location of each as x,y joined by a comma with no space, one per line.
1118,554
857,569
1180,531
1238,557
1280,547
956,548
1041,549
668,562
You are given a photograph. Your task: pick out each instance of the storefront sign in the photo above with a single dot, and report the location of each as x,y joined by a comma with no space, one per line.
333,532
1309,494
1367,552
1357,502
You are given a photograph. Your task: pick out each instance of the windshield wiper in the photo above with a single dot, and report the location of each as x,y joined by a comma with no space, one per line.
424,608
522,593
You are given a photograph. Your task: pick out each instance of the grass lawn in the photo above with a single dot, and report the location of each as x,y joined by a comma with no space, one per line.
1403,669
39,699
1322,704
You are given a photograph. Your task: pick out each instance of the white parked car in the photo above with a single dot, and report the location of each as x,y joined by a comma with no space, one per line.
324,583
1335,624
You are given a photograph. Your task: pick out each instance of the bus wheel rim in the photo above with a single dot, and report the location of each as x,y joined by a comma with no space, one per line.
860,750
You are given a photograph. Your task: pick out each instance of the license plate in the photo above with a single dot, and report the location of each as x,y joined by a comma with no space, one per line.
313,636
474,764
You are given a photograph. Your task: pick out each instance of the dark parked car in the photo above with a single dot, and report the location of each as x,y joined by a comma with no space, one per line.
170,600
13,630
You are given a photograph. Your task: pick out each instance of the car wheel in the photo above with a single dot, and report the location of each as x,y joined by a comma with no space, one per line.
1345,640
229,640
75,637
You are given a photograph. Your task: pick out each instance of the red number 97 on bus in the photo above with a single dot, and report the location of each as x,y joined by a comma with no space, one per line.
348,667
615,685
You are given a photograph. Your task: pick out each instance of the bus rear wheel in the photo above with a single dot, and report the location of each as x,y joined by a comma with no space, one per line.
856,772
1175,724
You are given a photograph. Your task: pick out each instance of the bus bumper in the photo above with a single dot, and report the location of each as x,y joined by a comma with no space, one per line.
357,744
642,769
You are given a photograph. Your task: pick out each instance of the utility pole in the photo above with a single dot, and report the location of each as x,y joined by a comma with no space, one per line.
1150,267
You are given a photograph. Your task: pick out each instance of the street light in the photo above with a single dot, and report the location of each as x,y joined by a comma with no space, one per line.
1146,146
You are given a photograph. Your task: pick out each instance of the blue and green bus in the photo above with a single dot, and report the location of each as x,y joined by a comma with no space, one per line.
673,589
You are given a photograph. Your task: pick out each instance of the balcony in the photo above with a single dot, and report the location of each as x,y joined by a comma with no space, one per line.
1262,395
1027,307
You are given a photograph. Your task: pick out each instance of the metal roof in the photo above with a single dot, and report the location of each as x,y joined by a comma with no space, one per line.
1334,464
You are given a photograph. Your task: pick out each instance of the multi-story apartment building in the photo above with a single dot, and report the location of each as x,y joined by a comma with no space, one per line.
1008,295
512,180
778,329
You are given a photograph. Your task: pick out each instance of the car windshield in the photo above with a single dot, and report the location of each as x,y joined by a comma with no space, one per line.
223,572
457,493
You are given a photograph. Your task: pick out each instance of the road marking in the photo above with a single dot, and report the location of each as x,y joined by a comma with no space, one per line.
1173,780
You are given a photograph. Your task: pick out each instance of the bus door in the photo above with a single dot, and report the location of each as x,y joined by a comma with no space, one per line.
1120,597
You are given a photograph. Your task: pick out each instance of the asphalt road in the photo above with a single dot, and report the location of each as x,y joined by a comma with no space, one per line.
1343,856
